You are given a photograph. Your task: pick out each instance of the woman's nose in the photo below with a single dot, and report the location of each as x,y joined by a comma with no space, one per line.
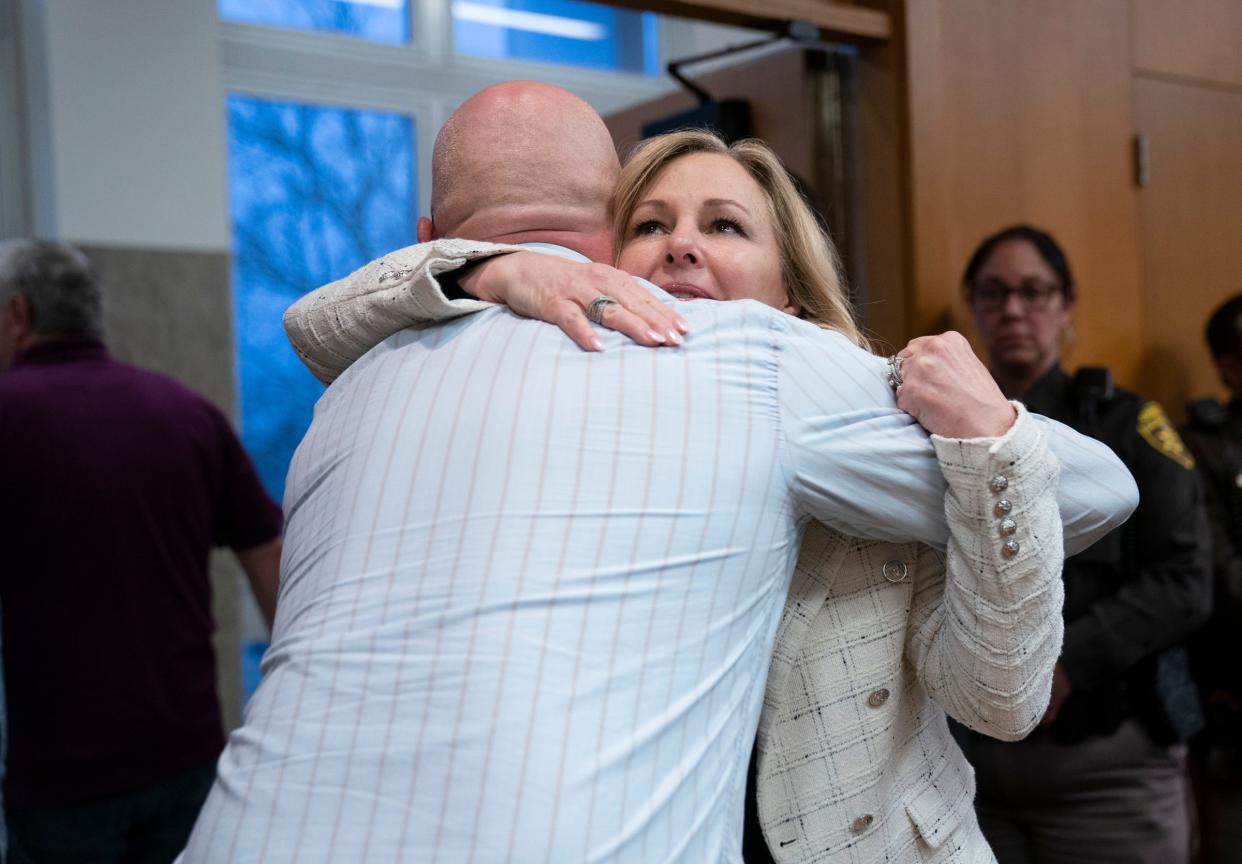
682,247
1012,306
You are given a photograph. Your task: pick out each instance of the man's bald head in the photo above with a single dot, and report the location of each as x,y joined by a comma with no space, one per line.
524,161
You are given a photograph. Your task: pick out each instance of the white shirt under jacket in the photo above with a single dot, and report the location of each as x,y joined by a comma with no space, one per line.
529,596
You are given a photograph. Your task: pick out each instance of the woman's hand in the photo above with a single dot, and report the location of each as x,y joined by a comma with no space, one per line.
559,291
949,391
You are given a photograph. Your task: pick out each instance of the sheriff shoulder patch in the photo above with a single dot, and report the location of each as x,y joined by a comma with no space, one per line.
1157,431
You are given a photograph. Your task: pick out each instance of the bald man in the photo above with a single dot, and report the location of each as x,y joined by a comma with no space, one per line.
518,163
529,593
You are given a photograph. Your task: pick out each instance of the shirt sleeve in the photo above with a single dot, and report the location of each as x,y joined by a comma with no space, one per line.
333,326
863,466
858,464
244,515
1096,493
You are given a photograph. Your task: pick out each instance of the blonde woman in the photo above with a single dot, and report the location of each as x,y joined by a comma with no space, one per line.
879,641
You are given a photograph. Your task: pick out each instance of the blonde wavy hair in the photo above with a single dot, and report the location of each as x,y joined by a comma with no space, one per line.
810,266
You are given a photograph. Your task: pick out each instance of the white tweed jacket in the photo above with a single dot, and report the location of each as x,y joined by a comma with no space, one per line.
878,641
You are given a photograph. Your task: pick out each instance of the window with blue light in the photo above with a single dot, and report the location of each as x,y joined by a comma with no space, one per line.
557,31
314,193
374,20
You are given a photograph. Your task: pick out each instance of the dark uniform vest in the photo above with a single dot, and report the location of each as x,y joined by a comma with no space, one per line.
1133,598
1214,435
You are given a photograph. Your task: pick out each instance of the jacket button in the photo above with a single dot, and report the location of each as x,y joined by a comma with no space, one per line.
862,823
1010,548
1003,507
999,483
895,571
878,698
1008,527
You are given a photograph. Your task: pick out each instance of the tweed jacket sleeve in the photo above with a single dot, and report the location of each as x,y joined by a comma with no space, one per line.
984,647
333,326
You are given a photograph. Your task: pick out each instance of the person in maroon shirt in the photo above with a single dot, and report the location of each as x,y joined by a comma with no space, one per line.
117,483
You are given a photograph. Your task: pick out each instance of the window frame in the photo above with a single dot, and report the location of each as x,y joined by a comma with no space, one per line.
423,78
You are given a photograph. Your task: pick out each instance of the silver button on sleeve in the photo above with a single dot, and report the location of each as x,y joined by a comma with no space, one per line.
1003,507
1010,548
999,483
1008,527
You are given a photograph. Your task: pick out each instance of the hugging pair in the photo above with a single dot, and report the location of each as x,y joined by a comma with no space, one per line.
531,593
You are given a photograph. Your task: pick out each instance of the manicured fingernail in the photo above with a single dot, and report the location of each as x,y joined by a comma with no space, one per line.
675,337
596,344
682,326
654,336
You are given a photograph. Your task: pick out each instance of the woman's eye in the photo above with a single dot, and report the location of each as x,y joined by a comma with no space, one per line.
648,227
728,226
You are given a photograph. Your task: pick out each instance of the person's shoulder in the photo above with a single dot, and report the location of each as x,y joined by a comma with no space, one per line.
789,336
1207,416
828,342
158,381
1094,385
1146,420
725,321
169,393
21,381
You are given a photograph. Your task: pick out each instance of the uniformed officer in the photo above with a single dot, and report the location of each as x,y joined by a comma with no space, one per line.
1103,778
1214,435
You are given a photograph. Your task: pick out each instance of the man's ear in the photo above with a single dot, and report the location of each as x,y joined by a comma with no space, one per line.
21,316
425,230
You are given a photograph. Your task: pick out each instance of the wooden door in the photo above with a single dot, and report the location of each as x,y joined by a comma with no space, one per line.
1190,229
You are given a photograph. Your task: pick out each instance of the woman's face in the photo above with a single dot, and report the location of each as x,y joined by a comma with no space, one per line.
703,230
1019,308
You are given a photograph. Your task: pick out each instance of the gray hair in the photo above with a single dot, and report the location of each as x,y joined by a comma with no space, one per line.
57,281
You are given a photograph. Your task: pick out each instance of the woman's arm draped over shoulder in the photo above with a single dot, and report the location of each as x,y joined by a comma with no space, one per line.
333,326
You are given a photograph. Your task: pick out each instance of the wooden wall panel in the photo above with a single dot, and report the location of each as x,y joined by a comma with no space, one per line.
1190,224
1199,39
1003,129
775,87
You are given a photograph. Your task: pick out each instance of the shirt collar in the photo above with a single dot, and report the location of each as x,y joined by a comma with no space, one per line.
57,351
558,251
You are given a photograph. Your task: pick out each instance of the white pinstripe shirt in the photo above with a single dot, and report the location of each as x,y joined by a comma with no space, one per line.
529,593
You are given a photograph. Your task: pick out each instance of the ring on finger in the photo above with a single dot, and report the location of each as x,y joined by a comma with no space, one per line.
894,372
595,309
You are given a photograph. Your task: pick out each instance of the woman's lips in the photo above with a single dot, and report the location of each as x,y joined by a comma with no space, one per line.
686,292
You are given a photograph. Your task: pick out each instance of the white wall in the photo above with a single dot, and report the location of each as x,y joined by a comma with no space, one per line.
126,122
14,165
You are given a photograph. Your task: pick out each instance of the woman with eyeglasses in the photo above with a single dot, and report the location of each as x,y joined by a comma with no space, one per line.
1103,777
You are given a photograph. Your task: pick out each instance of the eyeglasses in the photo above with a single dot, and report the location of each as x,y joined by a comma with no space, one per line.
991,295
